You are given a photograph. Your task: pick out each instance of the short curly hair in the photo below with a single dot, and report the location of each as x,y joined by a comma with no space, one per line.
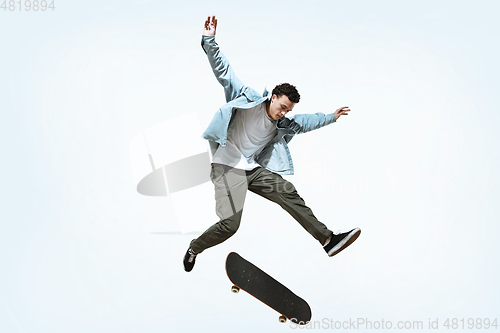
288,90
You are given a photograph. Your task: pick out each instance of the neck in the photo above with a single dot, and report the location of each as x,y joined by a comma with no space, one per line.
268,103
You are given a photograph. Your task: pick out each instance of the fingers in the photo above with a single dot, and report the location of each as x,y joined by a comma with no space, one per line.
210,26
214,22
343,111
210,23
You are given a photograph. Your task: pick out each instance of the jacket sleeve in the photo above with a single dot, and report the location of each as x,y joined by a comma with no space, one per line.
302,123
223,71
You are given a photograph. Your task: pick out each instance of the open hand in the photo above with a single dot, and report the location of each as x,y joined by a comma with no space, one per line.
341,111
210,26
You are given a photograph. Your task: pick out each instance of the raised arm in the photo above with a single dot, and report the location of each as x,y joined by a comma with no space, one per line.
220,65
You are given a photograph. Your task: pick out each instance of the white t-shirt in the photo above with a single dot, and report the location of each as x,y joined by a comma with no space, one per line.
247,135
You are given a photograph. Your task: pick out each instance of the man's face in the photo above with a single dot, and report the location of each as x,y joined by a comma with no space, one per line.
278,107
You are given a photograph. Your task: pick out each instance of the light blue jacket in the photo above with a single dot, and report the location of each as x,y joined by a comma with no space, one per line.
275,156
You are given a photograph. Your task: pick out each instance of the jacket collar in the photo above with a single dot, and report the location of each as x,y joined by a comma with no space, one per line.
266,93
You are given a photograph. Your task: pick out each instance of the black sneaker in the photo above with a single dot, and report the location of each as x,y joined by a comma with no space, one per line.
189,260
341,241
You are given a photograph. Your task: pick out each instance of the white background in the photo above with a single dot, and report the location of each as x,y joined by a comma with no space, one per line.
415,164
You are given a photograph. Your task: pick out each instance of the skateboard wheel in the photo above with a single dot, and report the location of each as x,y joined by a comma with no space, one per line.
282,319
235,289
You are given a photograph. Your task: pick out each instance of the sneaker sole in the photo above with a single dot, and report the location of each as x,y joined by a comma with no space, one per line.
348,240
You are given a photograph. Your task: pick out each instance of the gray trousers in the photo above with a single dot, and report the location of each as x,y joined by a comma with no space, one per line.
231,186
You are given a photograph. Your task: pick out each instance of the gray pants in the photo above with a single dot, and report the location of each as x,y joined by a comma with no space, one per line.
231,186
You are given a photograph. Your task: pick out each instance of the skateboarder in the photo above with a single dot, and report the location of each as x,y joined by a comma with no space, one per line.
249,139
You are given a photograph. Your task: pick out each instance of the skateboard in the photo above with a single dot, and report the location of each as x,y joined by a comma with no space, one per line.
245,275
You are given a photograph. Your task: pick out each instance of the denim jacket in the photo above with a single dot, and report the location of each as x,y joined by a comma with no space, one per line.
275,156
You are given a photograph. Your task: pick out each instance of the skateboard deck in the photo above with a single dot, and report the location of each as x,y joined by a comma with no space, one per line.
245,275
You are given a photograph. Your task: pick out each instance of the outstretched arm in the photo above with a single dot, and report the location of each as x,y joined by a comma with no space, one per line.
303,123
220,65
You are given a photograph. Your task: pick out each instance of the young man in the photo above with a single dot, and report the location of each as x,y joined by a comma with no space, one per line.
249,141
